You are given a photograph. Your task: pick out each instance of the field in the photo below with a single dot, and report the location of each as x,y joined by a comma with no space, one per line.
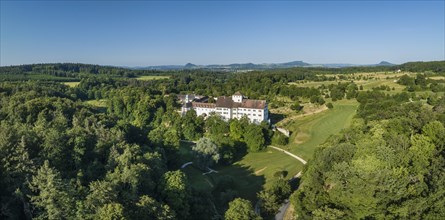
367,80
147,78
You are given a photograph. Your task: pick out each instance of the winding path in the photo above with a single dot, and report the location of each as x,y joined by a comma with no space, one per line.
285,206
290,154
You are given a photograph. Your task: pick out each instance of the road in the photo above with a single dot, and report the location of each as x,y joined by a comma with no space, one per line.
283,208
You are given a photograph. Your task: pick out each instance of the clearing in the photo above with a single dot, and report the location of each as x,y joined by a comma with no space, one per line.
147,78
101,103
71,84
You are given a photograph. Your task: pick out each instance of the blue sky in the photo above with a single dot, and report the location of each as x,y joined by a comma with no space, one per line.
141,33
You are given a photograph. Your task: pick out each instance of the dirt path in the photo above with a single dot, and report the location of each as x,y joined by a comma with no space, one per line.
285,206
259,171
186,164
290,154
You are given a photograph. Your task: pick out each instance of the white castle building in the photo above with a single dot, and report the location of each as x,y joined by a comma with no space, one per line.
236,106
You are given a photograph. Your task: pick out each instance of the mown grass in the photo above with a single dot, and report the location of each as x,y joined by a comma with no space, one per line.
253,172
147,78
310,131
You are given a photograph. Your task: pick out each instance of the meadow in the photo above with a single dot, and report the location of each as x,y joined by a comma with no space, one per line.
71,84
147,78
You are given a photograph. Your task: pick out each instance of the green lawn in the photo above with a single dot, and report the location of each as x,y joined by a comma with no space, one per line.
251,173
146,78
369,84
310,131
262,165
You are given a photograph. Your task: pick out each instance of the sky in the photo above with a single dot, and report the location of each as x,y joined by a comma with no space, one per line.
144,33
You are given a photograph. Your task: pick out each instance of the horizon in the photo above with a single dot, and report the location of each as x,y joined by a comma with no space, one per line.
153,33
224,64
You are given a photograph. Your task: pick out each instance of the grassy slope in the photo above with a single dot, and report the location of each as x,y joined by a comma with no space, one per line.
263,165
312,130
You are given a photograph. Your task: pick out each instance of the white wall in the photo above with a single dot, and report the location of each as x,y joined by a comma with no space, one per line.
254,115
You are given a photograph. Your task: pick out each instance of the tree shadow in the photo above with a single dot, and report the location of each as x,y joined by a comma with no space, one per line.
275,118
236,181
294,183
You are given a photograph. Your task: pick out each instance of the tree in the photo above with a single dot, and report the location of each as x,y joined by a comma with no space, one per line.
206,153
113,211
237,128
175,191
329,105
192,125
149,208
273,196
279,139
296,106
216,128
240,209
52,194
254,138
421,80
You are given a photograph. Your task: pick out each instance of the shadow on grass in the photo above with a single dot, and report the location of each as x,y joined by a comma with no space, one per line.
294,183
237,181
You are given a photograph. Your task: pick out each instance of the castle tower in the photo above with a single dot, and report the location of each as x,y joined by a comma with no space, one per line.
237,97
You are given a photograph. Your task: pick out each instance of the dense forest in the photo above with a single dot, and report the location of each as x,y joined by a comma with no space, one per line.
62,158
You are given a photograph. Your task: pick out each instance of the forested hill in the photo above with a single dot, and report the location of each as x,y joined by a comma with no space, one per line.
74,69
434,66
71,70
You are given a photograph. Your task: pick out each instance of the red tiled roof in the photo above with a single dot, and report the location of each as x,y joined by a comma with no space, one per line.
227,102
252,103
203,105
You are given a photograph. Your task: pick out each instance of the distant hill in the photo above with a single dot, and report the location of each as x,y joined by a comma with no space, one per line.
385,63
73,69
263,66
233,66
190,65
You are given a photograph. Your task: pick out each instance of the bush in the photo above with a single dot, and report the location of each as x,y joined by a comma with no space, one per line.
296,107
329,105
